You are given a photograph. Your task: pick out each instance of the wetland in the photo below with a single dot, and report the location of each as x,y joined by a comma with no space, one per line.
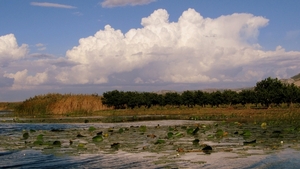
152,141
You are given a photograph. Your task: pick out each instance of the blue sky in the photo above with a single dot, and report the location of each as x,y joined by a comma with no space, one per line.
68,47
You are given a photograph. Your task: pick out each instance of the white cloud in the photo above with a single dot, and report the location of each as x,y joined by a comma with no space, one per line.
179,52
24,81
78,13
53,5
9,49
40,46
193,50
115,3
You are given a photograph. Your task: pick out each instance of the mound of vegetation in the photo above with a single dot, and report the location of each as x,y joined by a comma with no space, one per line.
54,103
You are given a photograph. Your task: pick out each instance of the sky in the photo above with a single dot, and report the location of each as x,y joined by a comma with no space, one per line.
94,46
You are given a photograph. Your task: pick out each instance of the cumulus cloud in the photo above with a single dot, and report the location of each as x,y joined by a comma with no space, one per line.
24,81
115,3
9,49
53,5
192,50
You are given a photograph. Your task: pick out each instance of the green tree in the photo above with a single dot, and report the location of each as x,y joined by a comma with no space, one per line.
200,98
216,98
270,91
247,97
291,94
115,98
173,99
230,97
188,98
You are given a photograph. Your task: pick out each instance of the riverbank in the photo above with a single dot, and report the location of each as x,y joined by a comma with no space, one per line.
229,114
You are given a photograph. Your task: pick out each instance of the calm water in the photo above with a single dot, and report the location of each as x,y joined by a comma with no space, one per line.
42,158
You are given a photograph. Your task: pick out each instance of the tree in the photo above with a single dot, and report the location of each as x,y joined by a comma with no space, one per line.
269,91
173,99
230,97
247,96
132,99
114,99
200,98
291,94
188,98
216,98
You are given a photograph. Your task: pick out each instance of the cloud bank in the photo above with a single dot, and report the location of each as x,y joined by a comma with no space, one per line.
53,5
192,50
116,3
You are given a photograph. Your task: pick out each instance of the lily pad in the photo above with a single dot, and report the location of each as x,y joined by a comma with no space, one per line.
79,135
32,131
57,143
207,149
263,125
171,128
25,136
219,133
40,137
115,145
121,130
178,134
196,130
143,129
249,142
38,142
160,141
57,130
98,138
81,145
247,133
170,134
190,131
92,129
196,142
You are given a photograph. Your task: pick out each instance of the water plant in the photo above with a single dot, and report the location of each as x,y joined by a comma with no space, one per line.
97,138
143,128
160,141
92,128
25,136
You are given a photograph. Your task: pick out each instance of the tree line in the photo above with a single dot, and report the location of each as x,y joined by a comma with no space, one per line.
266,92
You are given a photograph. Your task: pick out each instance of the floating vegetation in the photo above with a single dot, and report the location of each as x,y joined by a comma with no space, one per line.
98,138
115,146
170,135
25,136
263,125
170,142
196,142
249,142
246,133
207,149
121,130
143,128
57,143
92,128
160,141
